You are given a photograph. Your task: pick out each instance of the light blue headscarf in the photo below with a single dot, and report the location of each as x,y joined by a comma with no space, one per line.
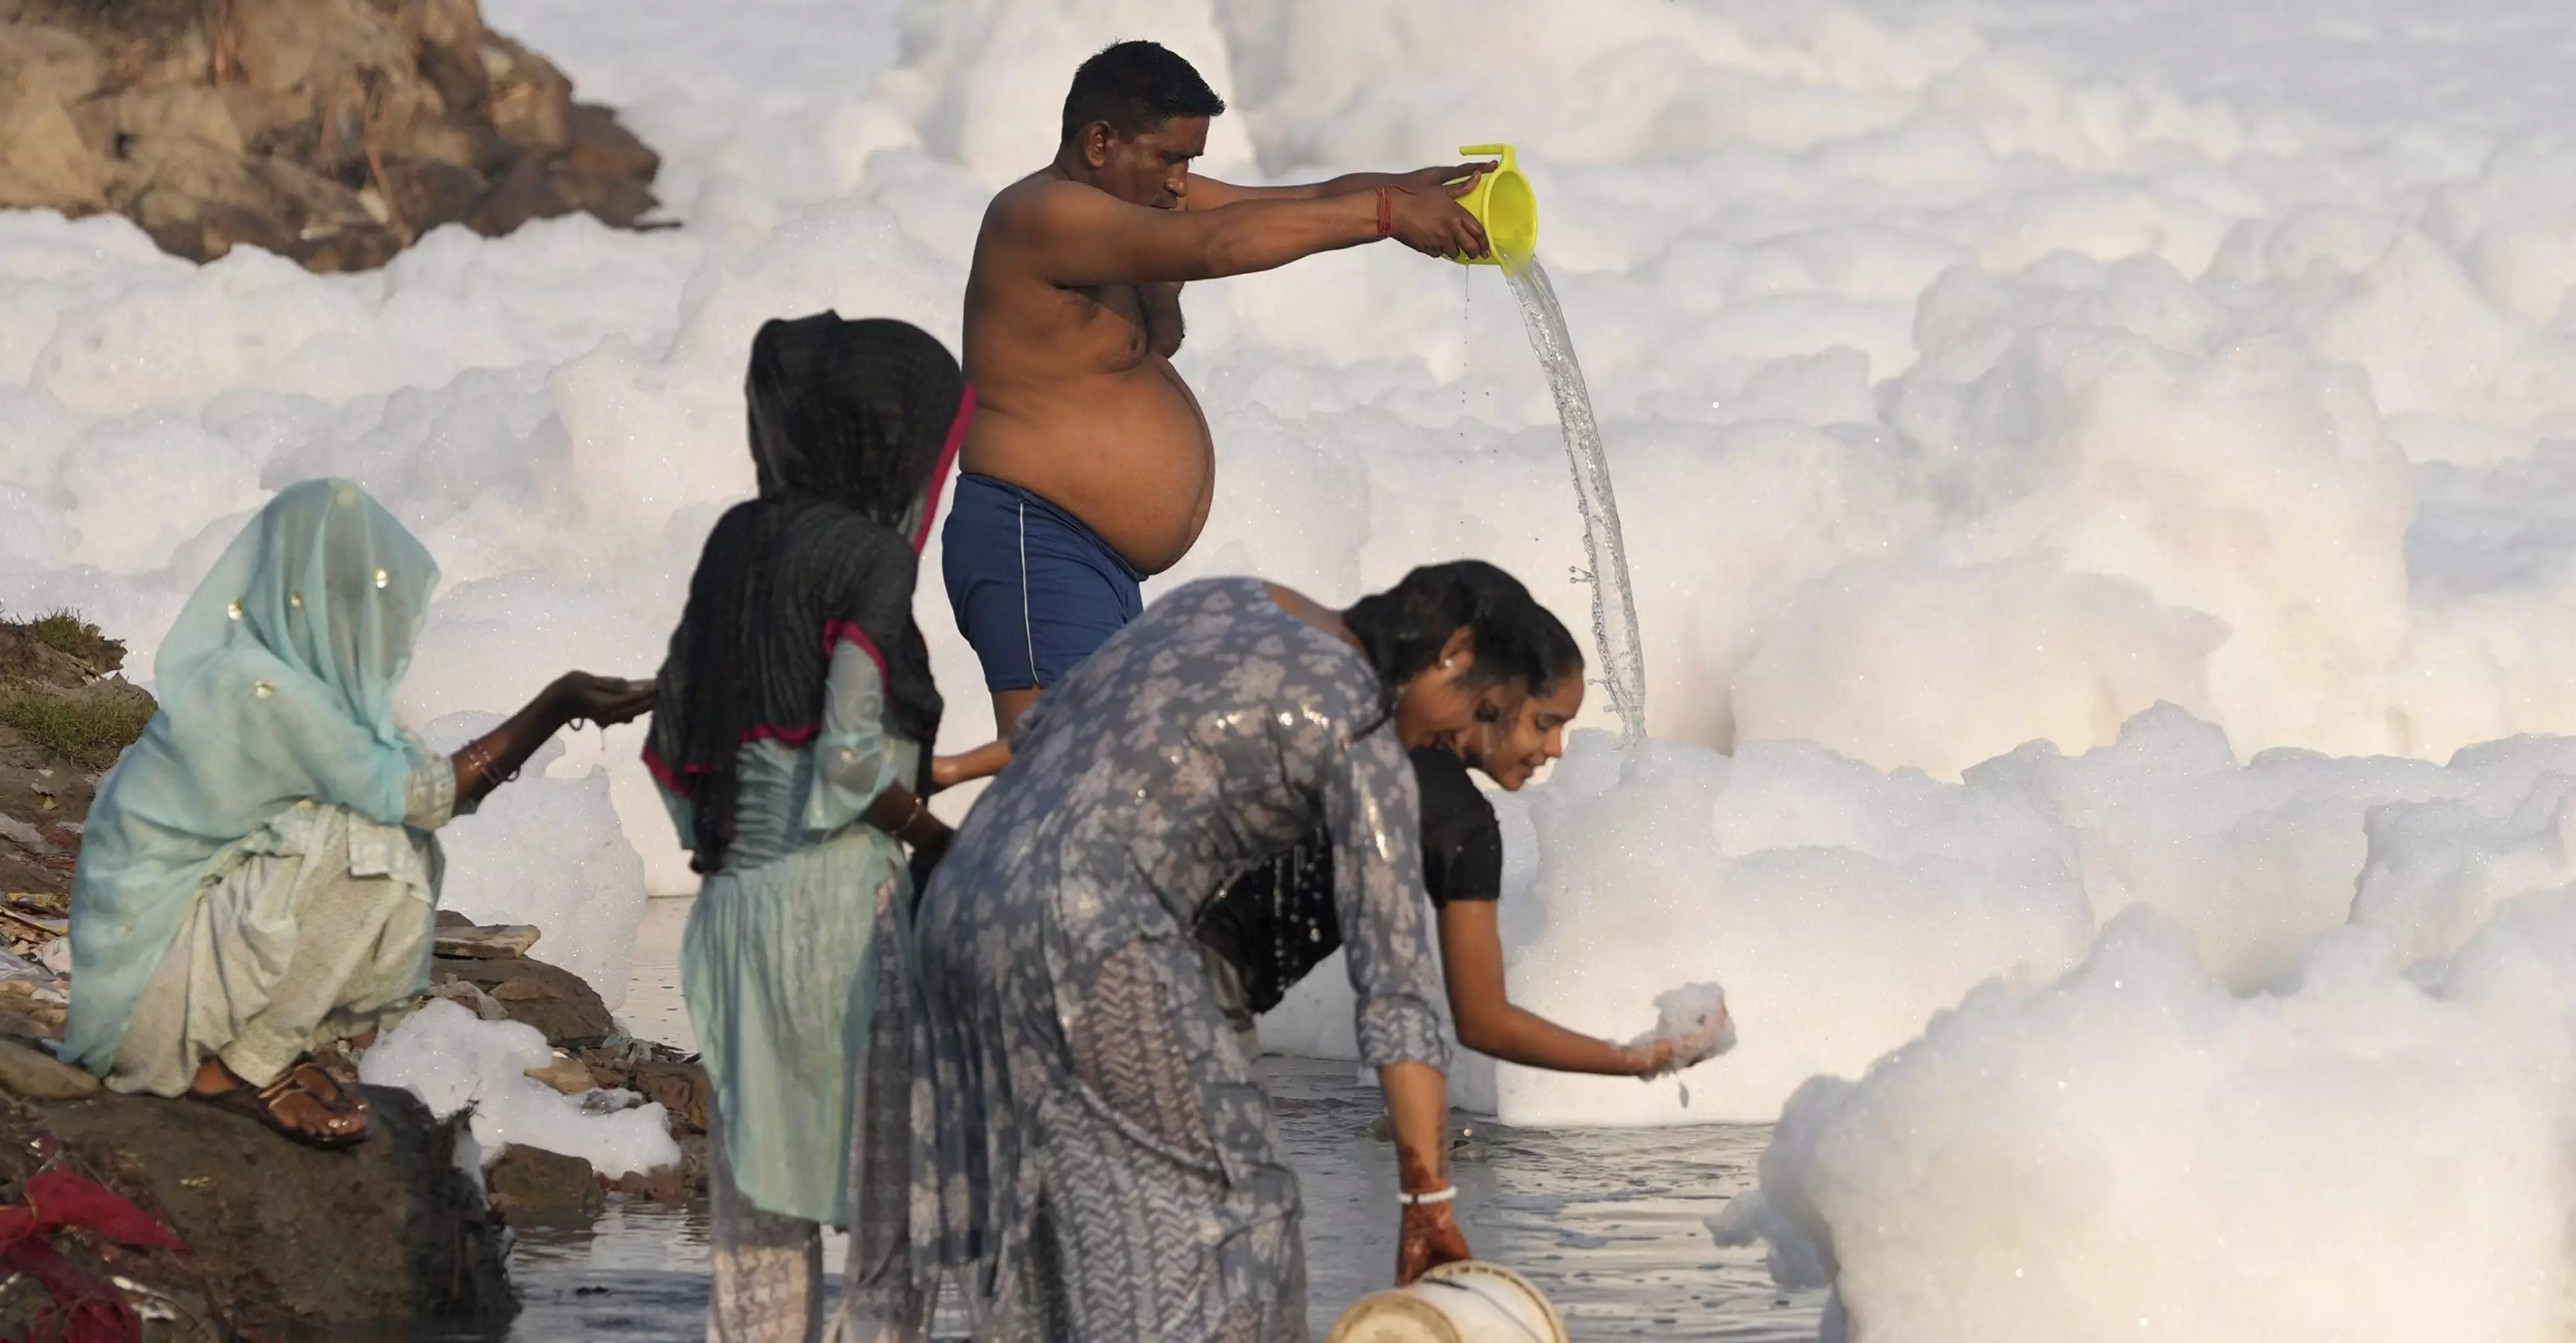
276,685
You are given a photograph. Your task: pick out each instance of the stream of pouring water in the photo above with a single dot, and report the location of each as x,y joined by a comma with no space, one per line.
1614,607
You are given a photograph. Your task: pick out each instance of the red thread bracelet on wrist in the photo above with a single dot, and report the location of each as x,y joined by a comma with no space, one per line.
1386,212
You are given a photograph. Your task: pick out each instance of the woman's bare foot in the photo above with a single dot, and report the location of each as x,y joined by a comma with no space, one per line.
303,1103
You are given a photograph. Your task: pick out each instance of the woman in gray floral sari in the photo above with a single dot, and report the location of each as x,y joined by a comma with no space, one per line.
1094,1158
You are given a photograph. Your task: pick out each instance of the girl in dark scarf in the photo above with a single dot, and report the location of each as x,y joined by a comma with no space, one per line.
791,738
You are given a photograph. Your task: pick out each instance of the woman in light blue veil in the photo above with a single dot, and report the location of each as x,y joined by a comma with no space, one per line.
257,874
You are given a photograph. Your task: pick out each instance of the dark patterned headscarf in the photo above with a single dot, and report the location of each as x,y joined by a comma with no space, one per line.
854,426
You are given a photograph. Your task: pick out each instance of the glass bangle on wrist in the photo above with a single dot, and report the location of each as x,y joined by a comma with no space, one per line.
1441,1195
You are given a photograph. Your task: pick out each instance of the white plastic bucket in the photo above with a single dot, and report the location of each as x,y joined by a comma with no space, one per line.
1454,1303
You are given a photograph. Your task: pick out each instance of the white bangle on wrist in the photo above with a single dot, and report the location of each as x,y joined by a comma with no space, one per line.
1440,1195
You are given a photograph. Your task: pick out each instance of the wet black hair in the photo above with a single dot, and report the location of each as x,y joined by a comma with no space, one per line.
1136,87
1403,628
1556,648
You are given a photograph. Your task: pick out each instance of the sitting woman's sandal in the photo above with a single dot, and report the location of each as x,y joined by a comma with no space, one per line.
326,1087
298,1110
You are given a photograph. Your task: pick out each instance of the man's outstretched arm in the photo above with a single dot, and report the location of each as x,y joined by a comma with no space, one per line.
1078,237
1207,193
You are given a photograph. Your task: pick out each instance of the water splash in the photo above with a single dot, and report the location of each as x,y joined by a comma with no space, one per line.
1614,606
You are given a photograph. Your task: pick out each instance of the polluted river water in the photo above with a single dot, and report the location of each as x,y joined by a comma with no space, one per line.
1607,1222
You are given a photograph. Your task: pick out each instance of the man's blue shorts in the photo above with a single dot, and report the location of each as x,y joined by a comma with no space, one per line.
1035,591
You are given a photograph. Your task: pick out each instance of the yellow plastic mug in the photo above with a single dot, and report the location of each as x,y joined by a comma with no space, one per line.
1503,202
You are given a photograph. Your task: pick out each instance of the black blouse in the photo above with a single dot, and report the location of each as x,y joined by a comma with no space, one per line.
1275,922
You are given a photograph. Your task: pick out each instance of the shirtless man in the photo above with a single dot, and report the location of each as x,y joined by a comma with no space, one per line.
1088,465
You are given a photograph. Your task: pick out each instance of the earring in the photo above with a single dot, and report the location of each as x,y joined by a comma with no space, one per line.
1444,663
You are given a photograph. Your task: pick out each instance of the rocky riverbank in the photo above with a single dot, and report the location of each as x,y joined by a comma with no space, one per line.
270,1236
332,132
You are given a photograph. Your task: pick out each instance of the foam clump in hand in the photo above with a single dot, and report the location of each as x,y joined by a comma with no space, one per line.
1695,1019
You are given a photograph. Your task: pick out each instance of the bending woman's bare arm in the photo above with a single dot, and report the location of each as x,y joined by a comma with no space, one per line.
1471,957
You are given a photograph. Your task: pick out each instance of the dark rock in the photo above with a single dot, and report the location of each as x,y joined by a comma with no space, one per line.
499,942
681,1088
31,1074
619,202
527,192
529,1183
429,189
671,1184
552,999
24,1016
531,101
603,148
284,1237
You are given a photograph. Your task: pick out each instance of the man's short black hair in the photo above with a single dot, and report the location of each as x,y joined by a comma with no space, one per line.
1136,87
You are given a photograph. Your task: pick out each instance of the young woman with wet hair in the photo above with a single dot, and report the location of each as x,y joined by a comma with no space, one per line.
1273,924
1093,1152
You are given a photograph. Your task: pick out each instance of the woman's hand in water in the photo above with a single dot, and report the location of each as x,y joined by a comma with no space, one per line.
605,700
1428,1238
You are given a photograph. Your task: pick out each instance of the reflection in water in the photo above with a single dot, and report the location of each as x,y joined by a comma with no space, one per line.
1605,1221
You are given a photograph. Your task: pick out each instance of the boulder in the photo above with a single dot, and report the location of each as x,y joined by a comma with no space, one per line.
552,999
500,942
333,132
282,1238
671,1184
683,1089
530,1183
565,1074
31,1074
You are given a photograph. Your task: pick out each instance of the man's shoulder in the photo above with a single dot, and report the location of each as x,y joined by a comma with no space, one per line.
1042,204
1034,200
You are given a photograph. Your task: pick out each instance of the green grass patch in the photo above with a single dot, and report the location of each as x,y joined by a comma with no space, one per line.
90,733
65,632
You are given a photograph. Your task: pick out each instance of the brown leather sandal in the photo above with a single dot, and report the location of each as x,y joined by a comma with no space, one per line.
339,1127
325,1086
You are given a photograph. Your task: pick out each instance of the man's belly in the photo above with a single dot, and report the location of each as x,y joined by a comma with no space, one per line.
1127,453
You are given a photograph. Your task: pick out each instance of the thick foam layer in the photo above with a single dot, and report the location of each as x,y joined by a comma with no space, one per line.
547,851
2136,1151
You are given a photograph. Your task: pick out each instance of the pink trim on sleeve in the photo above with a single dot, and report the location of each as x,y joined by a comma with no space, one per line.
939,476
835,631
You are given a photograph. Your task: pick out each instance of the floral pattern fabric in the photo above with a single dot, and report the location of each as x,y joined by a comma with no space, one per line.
1094,1157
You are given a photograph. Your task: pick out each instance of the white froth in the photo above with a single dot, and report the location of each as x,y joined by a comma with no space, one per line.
2136,1152
453,1059
548,852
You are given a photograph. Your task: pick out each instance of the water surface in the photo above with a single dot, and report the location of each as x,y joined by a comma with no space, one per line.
1605,1221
